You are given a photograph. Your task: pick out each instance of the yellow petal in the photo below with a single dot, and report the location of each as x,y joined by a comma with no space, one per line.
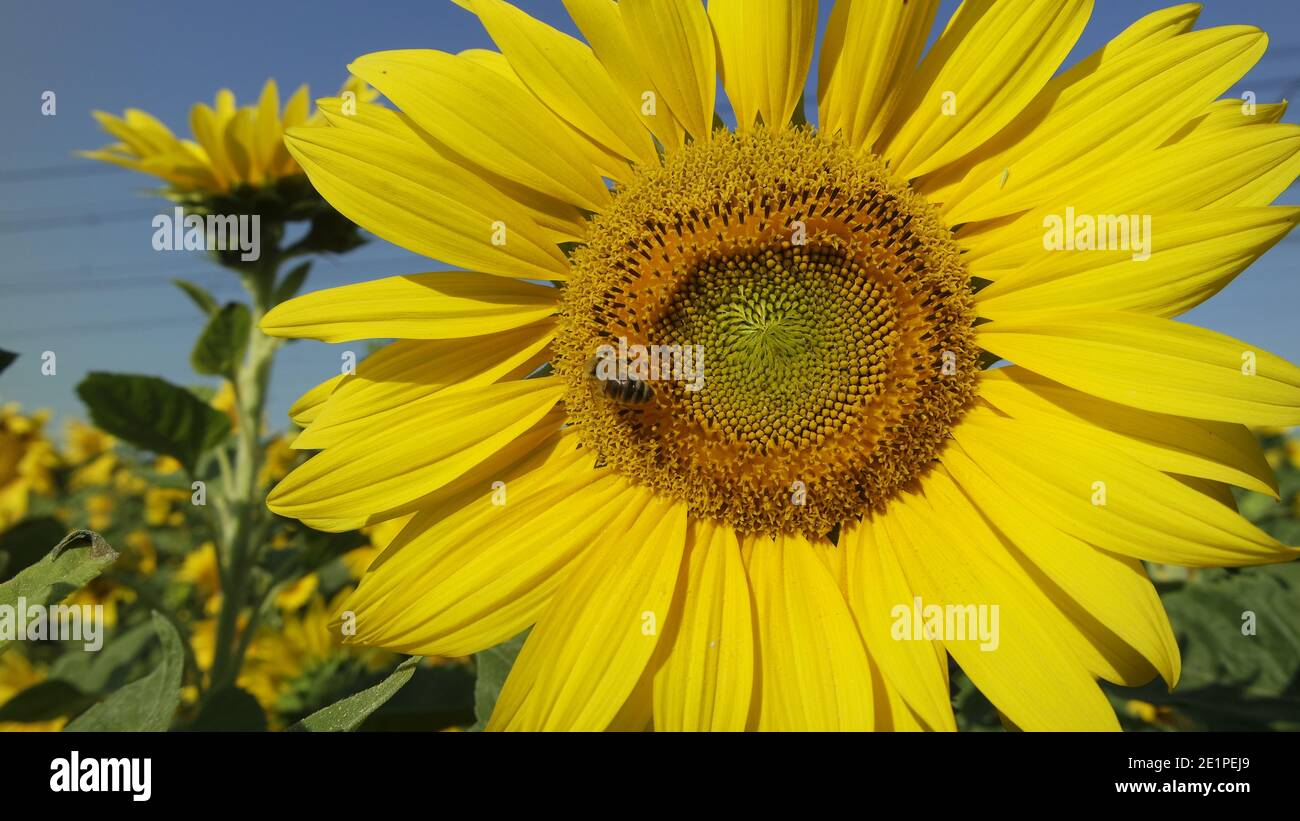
1027,667
565,74
918,670
602,24
449,173
457,583
311,403
815,674
268,132
1163,264
484,117
1103,496
1112,590
707,674
443,305
585,657
1153,364
1175,444
765,48
1127,106
438,439
985,68
869,52
412,197
405,372
677,48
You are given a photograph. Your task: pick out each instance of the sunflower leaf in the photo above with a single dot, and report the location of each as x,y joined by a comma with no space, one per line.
492,666
64,570
347,715
153,414
223,341
147,704
292,283
200,297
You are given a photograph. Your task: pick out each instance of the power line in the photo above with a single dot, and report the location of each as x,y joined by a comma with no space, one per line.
77,221
49,172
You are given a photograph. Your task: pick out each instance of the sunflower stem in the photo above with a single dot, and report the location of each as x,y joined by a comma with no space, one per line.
246,518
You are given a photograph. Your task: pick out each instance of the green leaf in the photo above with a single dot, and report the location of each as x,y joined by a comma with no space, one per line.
109,669
204,300
147,704
221,345
26,542
45,701
292,283
492,667
6,359
346,715
153,414
230,709
66,568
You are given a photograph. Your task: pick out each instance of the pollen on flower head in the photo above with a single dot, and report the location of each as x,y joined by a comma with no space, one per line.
832,309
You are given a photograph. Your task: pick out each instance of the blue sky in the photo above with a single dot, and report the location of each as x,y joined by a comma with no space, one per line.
97,294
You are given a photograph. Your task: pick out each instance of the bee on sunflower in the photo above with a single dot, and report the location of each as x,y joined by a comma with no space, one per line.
731,558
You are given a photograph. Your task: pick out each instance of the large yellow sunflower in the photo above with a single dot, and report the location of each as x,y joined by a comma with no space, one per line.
750,553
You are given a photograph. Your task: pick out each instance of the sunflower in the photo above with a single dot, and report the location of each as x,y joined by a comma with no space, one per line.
27,459
233,145
744,553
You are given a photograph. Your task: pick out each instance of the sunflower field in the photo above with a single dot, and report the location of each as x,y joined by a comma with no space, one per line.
772,365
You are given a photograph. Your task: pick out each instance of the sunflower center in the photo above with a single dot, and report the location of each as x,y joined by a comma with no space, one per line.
809,317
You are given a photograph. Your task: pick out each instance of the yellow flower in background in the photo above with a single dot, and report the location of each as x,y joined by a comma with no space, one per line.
102,592
226,401
16,675
83,442
139,556
199,570
160,505
232,145
167,465
279,459
744,543
26,462
99,511
294,595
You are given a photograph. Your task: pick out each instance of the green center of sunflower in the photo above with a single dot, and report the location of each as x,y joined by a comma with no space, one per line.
801,320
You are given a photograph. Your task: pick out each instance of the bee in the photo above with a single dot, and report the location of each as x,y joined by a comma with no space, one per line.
630,392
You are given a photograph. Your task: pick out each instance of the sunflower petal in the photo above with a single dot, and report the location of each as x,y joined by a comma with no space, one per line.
486,118
1025,669
765,48
1153,364
1103,496
442,305
985,68
678,55
384,469
707,674
567,77
916,669
815,674
585,657
870,49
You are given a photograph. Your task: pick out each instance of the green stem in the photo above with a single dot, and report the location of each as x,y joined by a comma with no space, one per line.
246,518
